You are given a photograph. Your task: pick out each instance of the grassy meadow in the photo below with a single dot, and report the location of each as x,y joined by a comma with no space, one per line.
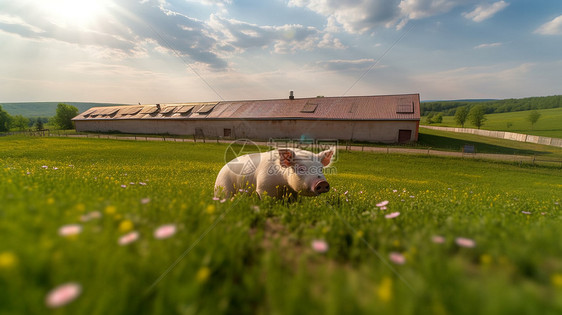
454,141
548,125
459,236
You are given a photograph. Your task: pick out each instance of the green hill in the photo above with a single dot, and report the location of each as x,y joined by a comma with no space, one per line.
448,108
548,125
45,109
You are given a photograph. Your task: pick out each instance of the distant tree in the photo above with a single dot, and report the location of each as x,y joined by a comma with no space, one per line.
429,118
63,118
20,122
39,124
533,118
461,115
5,120
437,119
477,115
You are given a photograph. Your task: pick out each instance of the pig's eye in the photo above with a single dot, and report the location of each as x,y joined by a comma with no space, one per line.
301,169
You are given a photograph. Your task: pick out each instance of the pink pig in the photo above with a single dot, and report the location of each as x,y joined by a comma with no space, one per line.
277,173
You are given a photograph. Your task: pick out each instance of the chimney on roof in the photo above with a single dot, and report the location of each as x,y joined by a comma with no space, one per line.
291,96
158,107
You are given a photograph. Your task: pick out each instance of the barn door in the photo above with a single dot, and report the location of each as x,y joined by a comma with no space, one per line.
404,136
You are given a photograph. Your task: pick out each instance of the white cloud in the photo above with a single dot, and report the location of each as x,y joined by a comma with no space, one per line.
133,27
553,27
360,16
488,45
288,38
418,9
485,11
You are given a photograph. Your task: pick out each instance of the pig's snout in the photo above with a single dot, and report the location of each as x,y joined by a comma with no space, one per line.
321,187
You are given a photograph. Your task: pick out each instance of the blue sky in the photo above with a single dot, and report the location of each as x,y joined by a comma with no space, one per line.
163,51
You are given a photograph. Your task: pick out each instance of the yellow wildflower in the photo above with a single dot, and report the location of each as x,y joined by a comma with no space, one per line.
203,274
384,290
210,209
50,201
80,207
485,259
556,280
126,226
8,260
110,209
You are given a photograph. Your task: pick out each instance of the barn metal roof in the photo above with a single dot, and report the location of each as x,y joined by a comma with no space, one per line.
380,107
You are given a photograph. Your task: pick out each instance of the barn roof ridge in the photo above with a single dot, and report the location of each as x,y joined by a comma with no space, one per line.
360,107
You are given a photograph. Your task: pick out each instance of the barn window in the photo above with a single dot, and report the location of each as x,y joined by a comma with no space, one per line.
309,108
131,110
227,132
110,112
205,109
405,106
149,110
168,110
185,110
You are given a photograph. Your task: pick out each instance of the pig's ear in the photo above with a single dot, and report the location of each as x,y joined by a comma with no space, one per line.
325,157
286,157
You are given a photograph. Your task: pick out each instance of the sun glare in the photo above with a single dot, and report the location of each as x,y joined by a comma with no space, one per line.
75,12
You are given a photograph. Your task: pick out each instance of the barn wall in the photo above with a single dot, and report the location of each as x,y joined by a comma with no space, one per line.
373,131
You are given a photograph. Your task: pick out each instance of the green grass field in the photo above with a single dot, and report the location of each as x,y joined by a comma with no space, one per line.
454,141
247,255
548,125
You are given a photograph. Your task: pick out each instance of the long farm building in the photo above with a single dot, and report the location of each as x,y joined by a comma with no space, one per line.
384,118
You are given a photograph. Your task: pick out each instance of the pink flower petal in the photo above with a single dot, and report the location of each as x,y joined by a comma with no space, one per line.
320,246
465,242
382,203
63,294
437,239
392,215
123,186
525,212
145,200
128,238
70,229
165,231
397,258
216,198
383,208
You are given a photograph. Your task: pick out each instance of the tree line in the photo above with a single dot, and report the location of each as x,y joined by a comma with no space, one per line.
61,120
449,108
